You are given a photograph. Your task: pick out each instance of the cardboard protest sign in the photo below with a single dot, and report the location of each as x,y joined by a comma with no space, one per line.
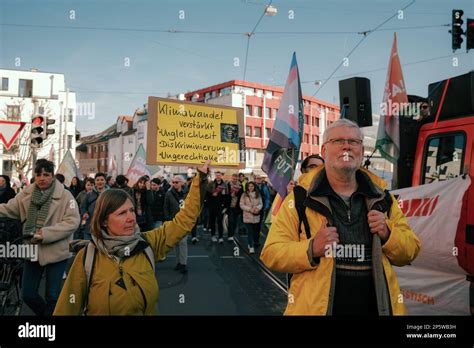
187,133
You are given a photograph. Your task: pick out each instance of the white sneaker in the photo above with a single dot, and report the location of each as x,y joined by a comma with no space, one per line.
214,239
230,239
221,240
251,250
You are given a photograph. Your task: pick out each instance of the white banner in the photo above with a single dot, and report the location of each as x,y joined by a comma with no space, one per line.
434,284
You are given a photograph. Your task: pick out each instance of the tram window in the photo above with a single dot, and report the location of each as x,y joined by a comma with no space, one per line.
444,157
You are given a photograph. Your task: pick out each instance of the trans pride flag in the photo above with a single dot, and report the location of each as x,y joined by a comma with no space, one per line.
283,149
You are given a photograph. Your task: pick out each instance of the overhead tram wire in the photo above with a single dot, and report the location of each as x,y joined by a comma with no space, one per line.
366,34
198,32
381,69
249,35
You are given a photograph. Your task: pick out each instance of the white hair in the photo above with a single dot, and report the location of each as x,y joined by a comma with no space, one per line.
179,178
343,122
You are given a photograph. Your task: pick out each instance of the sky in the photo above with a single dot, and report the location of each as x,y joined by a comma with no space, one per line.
116,53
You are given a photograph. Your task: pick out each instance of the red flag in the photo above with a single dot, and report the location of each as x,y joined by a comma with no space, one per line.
395,101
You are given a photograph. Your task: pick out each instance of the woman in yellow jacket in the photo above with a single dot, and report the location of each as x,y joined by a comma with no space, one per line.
122,280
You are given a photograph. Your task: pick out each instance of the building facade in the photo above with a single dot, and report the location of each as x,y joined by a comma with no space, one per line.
261,103
26,94
93,152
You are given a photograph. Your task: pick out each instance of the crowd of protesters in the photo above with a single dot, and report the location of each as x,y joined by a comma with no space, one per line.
232,204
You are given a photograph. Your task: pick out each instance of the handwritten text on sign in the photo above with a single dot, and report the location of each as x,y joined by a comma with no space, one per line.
190,133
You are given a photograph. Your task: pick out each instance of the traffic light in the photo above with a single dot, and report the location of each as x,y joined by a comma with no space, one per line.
456,29
47,130
470,34
37,131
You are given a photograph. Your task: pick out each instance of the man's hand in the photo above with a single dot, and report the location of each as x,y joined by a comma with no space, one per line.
378,225
325,236
205,167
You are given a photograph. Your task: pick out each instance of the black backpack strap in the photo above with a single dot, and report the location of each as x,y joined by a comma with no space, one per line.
300,196
384,205
388,201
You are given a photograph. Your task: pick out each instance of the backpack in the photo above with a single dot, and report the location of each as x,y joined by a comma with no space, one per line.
89,259
300,196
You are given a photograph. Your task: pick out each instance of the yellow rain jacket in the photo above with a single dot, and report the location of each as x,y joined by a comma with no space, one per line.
312,287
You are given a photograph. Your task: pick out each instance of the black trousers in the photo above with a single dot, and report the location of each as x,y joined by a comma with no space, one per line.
216,214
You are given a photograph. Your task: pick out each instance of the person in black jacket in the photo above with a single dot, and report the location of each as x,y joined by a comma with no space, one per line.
217,202
156,201
234,211
6,191
121,182
76,187
174,201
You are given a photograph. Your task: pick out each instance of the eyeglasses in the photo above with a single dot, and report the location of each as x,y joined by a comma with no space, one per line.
175,182
341,142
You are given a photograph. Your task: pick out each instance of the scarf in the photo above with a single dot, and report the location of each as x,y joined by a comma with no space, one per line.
118,247
38,210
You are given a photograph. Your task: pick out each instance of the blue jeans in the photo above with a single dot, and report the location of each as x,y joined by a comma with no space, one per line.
253,234
32,273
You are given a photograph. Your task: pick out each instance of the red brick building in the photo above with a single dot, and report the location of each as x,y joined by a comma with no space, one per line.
261,103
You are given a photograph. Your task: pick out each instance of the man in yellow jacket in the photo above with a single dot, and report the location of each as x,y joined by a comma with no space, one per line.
342,263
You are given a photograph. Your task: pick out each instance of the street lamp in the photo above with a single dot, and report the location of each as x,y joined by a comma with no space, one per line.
271,11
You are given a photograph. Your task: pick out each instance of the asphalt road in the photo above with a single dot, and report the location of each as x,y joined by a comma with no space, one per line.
221,280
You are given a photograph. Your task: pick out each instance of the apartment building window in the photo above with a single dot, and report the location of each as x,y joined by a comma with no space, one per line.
248,131
13,112
316,122
306,119
267,112
69,142
306,138
275,111
247,90
269,94
70,115
259,93
248,109
4,83
25,89
268,132
315,139
226,90
257,132
214,93
41,110
258,111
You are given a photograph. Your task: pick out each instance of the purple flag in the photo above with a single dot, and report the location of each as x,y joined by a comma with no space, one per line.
283,147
